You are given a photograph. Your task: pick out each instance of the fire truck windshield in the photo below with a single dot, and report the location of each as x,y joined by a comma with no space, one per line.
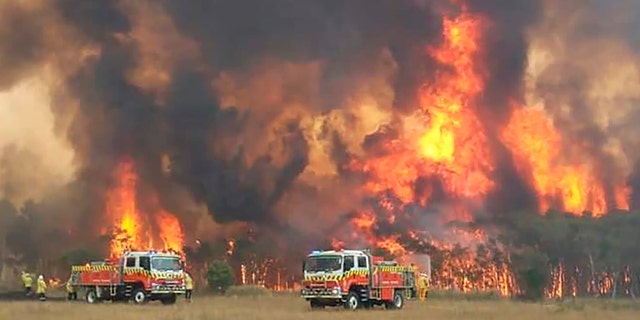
166,264
323,263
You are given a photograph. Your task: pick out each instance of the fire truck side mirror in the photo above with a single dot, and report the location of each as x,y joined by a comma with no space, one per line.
304,265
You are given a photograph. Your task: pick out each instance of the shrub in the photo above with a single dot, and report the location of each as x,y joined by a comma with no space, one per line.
220,276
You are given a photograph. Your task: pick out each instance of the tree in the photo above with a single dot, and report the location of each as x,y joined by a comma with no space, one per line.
532,272
220,276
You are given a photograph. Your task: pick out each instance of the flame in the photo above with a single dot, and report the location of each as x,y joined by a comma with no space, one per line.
622,193
444,141
364,221
231,246
391,245
572,186
243,274
135,229
337,244
451,144
121,206
170,231
54,283
455,145
263,272
468,270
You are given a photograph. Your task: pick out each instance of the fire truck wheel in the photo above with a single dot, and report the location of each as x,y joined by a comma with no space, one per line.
397,303
352,302
92,296
139,296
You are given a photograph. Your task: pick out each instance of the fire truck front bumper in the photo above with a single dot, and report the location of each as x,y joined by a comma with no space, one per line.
165,288
323,293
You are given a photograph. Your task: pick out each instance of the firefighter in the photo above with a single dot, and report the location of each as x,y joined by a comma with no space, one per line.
27,281
423,286
41,288
188,285
71,291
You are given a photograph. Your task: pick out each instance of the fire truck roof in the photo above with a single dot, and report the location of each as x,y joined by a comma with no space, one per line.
149,253
337,252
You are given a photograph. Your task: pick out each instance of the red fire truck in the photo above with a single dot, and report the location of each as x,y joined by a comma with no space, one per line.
356,278
140,276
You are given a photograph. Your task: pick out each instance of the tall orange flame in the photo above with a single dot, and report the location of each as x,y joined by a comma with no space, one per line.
447,142
121,206
170,231
135,230
537,149
455,144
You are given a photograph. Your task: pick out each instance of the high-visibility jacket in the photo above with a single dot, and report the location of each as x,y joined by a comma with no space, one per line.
27,280
424,283
70,288
42,286
188,282
423,287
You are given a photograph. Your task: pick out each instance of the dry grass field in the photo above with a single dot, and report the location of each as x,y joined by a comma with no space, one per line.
290,307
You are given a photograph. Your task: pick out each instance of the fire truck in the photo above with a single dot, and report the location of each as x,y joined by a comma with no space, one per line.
355,279
140,276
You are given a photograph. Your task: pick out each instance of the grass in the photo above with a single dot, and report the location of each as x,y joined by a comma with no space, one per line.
470,296
286,306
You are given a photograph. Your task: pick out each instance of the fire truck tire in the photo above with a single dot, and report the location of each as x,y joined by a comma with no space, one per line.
352,302
91,297
140,296
397,303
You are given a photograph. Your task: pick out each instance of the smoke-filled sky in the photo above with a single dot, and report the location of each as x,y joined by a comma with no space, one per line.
276,113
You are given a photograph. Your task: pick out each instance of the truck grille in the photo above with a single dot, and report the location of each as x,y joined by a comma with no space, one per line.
168,289
320,292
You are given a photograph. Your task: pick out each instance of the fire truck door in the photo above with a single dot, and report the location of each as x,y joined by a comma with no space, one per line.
362,266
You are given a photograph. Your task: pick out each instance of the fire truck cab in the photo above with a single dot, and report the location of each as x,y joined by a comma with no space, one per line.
354,279
140,276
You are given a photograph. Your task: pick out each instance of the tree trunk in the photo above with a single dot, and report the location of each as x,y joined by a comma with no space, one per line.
615,285
594,276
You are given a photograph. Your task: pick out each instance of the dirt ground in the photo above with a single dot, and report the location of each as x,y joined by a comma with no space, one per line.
291,307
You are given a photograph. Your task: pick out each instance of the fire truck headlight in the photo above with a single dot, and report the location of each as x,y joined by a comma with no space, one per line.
336,291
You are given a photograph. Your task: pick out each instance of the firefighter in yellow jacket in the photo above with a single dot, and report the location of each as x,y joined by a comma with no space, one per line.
71,291
27,281
41,288
423,286
188,286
